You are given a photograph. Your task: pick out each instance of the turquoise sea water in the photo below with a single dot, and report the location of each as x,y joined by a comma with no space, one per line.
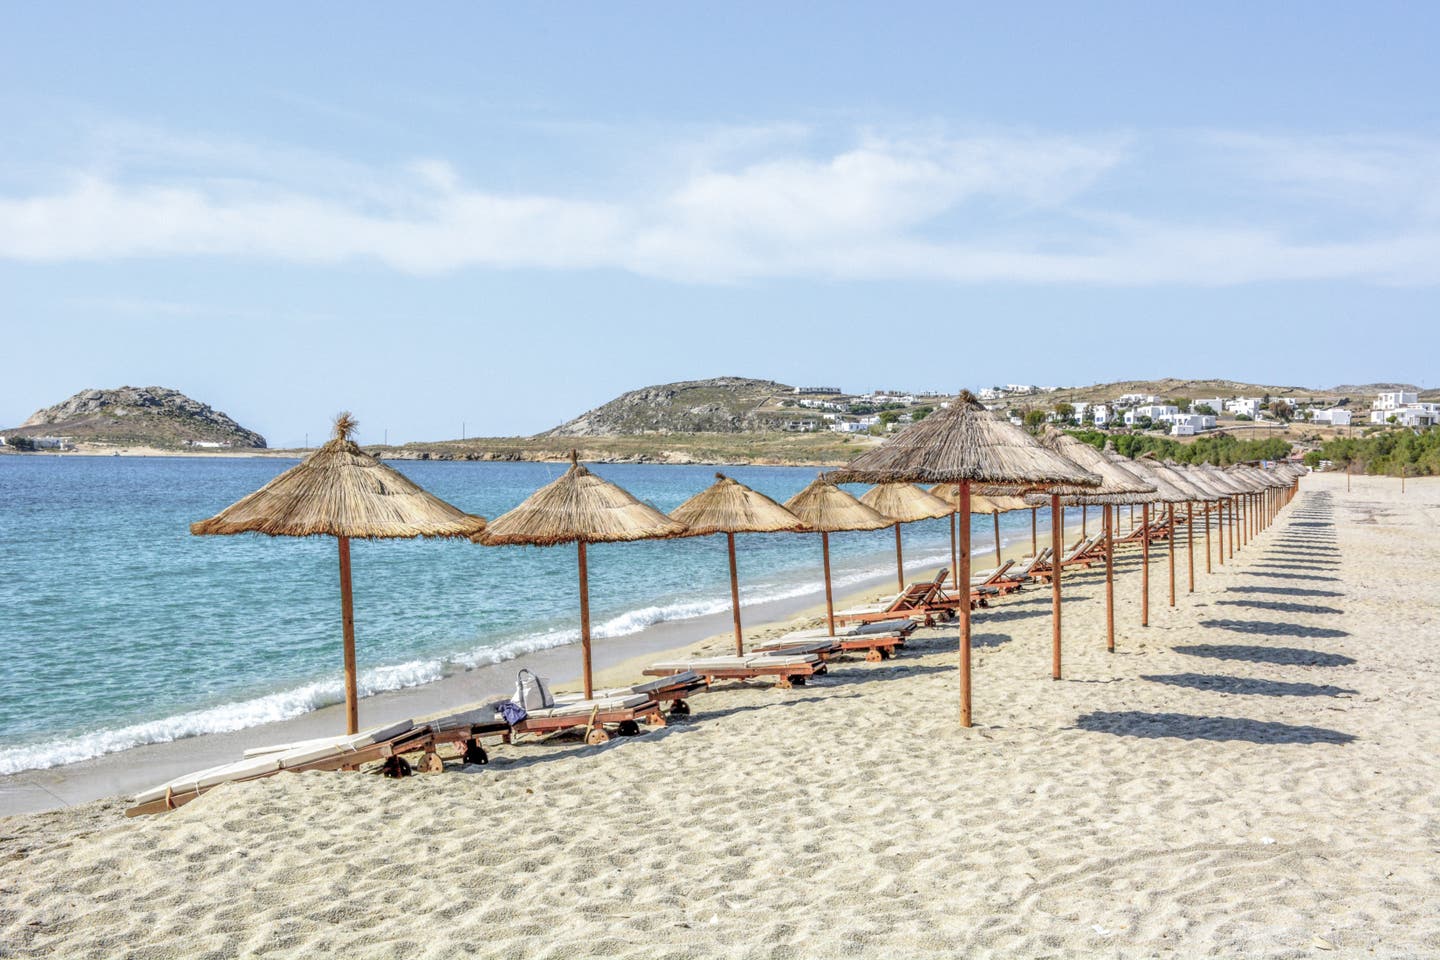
117,627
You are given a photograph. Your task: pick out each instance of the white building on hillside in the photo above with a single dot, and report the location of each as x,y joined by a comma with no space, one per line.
1189,424
1410,415
1395,400
1335,416
1214,403
1244,406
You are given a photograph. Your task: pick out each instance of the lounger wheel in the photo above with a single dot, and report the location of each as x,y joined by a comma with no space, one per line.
873,656
396,767
432,763
629,728
475,753
679,709
596,737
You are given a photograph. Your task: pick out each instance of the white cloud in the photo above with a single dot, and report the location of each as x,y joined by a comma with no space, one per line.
1027,209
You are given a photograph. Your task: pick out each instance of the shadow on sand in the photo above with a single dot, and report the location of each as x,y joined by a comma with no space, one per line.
1275,628
1288,576
1249,686
1281,606
1184,726
1284,656
1287,591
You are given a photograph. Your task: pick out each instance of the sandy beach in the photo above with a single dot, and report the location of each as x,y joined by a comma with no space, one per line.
1255,774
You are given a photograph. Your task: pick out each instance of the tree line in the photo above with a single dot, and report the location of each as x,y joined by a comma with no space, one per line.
1415,452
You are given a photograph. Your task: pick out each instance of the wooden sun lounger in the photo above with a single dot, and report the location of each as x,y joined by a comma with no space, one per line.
1159,529
327,753
671,689
878,640
1019,576
625,712
914,601
788,670
997,578
1076,556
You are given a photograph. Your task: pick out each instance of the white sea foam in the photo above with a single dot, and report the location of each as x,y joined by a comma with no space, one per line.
218,719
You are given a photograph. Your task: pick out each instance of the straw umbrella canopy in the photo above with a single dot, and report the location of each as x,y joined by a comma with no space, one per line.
729,507
1202,480
904,503
966,444
1170,490
825,507
579,508
1247,477
1118,486
343,492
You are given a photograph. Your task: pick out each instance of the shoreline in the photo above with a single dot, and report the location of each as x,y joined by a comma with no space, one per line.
616,661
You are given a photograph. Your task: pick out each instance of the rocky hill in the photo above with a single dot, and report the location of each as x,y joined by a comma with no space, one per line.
138,416
718,405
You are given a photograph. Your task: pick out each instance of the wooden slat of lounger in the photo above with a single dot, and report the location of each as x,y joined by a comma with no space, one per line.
614,715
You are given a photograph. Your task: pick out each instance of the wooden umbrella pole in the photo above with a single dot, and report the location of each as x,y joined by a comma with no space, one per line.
996,515
829,600
585,619
899,559
1034,541
347,626
1145,566
1220,531
1190,544
1109,579
1234,523
954,553
735,596
1084,521
1132,518
1207,540
1056,544
1170,512
962,595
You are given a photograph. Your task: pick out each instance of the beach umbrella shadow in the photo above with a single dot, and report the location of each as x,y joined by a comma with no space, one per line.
1184,726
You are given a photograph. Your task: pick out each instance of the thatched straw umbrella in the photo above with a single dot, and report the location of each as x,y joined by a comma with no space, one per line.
825,507
904,503
1118,486
579,508
966,444
1169,493
1222,483
1200,494
341,491
1216,497
730,507
1253,483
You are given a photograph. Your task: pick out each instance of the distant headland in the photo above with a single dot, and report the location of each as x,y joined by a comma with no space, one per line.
129,419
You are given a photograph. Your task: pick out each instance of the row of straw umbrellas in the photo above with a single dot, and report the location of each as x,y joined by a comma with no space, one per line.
973,460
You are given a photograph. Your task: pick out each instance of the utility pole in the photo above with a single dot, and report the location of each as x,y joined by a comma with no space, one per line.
462,429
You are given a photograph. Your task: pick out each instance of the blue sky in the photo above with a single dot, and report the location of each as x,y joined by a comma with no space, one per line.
501,215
